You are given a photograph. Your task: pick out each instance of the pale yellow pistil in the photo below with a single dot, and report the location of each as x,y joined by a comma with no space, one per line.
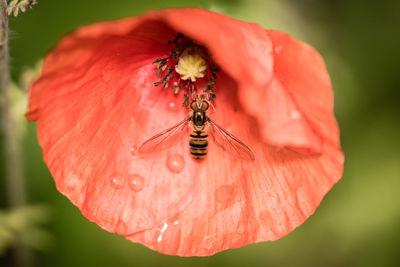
191,66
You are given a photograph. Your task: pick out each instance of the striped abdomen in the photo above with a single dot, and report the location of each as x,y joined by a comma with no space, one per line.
198,143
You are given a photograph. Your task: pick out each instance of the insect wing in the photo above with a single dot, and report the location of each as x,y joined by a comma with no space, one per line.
229,142
165,139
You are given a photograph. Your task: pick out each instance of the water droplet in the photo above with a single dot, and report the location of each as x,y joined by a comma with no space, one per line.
175,163
117,181
73,182
176,222
106,76
172,106
136,182
165,226
133,150
278,49
224,193
295,114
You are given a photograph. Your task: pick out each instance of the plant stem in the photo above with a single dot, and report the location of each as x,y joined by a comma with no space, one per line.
13,165
14,173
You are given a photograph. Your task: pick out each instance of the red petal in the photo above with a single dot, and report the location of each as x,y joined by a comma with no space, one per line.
282,82
95,101
238,203
296,107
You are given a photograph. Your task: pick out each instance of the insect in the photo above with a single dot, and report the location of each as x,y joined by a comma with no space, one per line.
202,125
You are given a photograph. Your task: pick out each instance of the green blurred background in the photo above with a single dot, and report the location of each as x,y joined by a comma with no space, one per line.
357,224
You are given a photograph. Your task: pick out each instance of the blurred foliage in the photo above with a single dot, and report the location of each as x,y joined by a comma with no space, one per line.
18,108
16,6
19,99
22,225
357,224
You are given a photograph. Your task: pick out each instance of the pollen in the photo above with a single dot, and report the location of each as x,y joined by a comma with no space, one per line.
191,65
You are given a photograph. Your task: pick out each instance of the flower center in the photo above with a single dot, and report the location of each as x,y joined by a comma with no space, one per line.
184,70
191,65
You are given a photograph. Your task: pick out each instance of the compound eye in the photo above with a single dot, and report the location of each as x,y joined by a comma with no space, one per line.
204,106
193,105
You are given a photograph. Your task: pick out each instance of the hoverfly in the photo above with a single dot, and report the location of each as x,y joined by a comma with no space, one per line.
198,141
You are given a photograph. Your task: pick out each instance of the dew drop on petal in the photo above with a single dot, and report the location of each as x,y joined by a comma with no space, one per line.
278,49
106,76
175,163
136,182
172,106
133,151
117,181
165,226
73,181
295,115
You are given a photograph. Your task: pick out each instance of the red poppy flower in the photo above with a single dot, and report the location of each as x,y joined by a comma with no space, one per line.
95,103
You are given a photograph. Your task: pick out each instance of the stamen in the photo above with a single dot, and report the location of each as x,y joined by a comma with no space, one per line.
183,70
176,88
185,100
